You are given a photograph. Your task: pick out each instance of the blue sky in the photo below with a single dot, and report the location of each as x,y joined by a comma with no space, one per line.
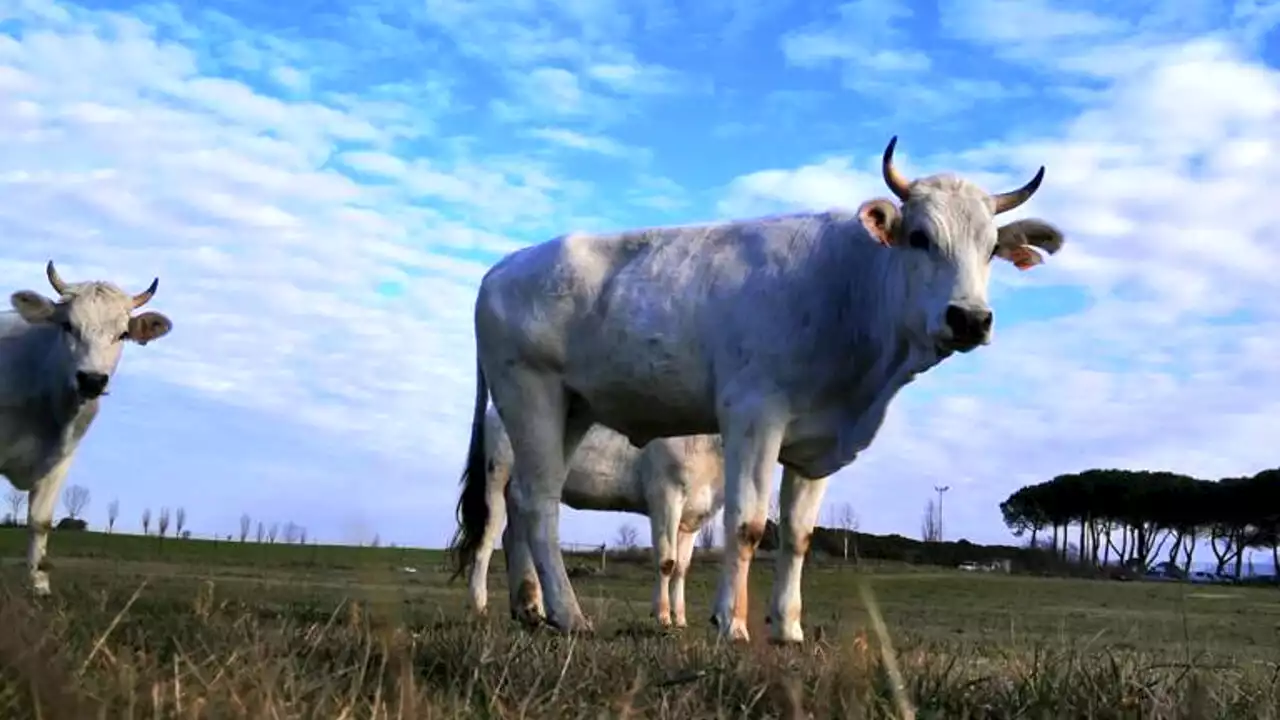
320,186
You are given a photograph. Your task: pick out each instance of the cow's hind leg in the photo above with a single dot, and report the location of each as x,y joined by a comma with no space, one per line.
523,588
799,501
684,556
478,583
664,521
545,428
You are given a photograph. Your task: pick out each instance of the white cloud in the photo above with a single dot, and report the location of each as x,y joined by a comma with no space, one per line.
291,78
582,141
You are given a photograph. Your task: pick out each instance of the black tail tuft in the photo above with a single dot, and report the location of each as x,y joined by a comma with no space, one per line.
473,505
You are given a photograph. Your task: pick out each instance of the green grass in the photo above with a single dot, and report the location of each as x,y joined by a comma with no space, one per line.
255,632
139,548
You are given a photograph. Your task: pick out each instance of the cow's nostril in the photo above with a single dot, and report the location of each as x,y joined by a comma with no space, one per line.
91,384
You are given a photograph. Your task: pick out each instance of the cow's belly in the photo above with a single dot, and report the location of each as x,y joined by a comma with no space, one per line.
590,489
644,392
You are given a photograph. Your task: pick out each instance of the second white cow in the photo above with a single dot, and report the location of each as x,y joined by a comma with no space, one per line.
678,483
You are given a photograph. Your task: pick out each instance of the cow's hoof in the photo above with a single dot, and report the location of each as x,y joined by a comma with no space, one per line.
40,585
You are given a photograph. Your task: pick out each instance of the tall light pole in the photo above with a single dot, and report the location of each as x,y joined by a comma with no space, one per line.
940,490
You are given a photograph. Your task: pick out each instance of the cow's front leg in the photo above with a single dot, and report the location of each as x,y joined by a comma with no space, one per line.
40,503
799,501
751,446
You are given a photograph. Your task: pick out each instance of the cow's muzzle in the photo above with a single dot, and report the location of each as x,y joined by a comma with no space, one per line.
91,385
970,327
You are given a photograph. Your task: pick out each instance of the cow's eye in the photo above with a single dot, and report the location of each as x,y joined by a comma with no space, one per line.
67,327
918,239
123,336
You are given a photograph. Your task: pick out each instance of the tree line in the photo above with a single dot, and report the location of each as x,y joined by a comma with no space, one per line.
75,498
1139,517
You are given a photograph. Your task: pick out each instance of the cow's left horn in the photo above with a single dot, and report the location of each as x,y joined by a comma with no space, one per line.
55,279
894,179
143,297
1010,200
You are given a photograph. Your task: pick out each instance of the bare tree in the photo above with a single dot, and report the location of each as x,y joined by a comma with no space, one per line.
627,536
262,532
846,520
180,521
930,528
245,523
16,499
290,532
302,535
74,499
146,521
377,540
113,512
163,523
272,532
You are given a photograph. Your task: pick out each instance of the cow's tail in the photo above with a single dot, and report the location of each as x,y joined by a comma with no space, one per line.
473,504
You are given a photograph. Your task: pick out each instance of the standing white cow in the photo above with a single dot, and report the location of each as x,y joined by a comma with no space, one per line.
787,335
56,361
677,482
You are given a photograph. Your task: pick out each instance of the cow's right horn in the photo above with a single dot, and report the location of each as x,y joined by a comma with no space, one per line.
145,296
55,279
894,179
1007,201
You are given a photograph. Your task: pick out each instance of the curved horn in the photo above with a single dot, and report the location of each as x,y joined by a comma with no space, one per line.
1010,200
143,297
55,279
894,179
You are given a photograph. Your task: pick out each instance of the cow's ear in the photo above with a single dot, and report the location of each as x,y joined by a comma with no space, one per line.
32,306
148,326
881,218
1014,242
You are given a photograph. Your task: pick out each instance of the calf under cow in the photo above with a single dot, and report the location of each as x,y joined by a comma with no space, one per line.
56,362
787,335
678,483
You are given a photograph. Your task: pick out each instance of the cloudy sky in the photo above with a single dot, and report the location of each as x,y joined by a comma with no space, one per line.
320,186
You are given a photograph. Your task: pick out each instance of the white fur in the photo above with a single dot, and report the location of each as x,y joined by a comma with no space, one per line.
788,335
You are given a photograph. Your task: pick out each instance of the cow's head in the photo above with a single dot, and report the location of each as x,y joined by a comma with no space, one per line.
94,320
946,228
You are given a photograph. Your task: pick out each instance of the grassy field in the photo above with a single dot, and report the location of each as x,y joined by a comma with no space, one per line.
191,630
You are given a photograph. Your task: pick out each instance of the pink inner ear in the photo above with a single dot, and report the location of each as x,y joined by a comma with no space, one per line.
1022,257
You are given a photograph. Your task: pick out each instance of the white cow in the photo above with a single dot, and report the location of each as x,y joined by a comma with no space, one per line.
56,361
787,335
677,482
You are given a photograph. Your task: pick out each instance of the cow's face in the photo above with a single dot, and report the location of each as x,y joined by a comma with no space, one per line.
94,320
946,227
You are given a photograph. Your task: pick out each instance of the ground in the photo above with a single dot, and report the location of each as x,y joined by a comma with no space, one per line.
139,627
